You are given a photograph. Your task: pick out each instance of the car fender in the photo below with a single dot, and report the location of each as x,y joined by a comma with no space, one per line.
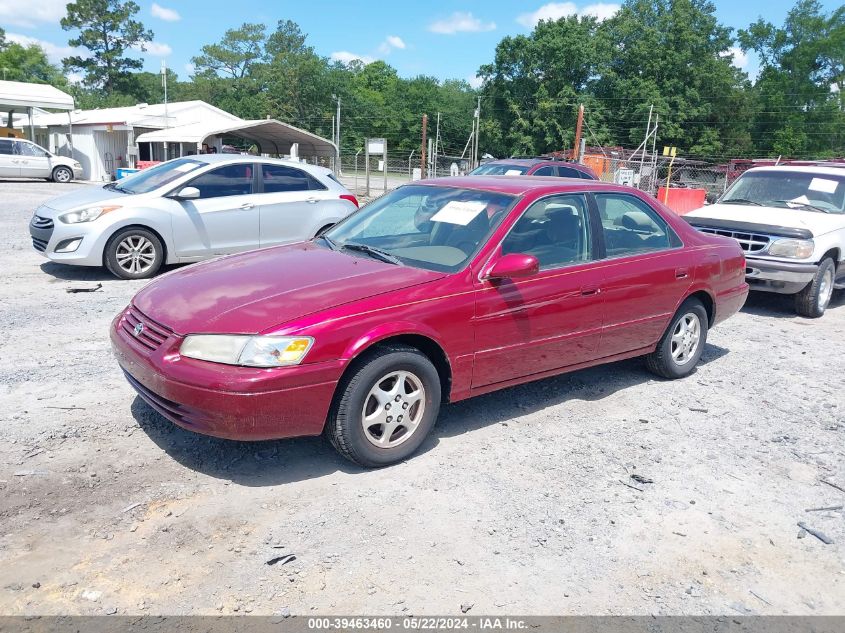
156,220
385,331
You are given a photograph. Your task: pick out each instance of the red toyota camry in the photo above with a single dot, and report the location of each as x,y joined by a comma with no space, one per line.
438,291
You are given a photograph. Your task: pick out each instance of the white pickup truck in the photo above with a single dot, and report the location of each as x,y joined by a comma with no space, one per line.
790,221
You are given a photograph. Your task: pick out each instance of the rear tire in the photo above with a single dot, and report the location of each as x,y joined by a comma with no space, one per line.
62,174
386,406
813,300
134,253
681,345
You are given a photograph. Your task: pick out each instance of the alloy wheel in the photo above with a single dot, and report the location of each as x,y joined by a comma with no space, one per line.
686,338
393,409
825,290
135,254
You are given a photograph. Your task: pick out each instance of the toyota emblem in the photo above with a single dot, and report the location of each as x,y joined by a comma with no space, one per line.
138,329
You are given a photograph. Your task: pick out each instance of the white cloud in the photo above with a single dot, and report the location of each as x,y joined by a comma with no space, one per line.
395,41
740,59
460,22
834,87
156,49
475,81
346,57
54,52
557,10
75,78
190,68
31,12
163,13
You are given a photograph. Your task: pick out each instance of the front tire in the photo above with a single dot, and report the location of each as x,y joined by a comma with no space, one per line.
134,253
386,407
813,300
681,345
62,174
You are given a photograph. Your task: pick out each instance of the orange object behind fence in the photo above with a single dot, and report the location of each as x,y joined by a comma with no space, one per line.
682,201
143,164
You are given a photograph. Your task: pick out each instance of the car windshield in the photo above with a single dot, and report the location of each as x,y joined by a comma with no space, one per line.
824,193
499,169
154,177
436,228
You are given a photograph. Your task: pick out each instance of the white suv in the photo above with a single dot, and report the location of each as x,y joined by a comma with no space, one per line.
790,221
23,159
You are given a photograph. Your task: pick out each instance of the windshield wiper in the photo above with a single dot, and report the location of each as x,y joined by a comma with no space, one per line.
740,201
375,252
113,186
331,243
805,205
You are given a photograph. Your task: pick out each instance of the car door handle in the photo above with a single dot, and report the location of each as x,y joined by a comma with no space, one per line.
311,200
247,205
681,273
588,291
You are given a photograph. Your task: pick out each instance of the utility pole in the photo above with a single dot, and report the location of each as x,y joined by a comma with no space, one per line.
436,141
422,150
477,133
166,118
578,125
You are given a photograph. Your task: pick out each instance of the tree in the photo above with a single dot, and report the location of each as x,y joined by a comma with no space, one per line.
28,63
235,55
107,30
798,113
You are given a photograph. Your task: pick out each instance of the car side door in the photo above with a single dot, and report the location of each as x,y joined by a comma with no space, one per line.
9,165
646,272
550,320
223,219
291,204
34,161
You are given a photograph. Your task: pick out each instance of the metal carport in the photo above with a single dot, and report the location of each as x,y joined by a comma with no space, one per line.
271,137
17,95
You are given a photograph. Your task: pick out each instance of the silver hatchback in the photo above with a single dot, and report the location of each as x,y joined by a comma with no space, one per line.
189,209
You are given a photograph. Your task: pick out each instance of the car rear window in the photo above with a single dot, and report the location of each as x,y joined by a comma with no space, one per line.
279,178
499,169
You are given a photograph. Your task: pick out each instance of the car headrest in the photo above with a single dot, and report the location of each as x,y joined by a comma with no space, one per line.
636,221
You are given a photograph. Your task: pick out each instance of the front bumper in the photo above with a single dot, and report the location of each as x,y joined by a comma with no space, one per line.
48,234
778,276
239,403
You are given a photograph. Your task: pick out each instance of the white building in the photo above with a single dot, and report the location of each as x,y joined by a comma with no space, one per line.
104,140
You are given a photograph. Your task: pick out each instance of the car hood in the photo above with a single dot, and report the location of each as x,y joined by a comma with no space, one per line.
86,196
817,223
253,292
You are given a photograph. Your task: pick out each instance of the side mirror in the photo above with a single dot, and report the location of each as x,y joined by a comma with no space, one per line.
187,193
512,266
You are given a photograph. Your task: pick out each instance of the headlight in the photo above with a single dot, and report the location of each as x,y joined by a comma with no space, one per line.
85,215
77,165
250,351
793,249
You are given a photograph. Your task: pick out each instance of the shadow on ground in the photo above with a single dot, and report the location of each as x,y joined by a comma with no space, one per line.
771,304
277,462
63,272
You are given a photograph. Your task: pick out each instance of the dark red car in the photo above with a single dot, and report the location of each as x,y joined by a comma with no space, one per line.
438,291
534,167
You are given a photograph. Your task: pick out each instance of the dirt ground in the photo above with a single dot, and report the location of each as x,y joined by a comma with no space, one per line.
521,502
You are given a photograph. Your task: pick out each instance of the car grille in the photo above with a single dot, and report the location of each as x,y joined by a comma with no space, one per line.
41,223
167,408
749,242
39,245
144,330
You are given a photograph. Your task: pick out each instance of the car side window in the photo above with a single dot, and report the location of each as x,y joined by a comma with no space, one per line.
631,226
231,180
568,172
556,230
6,146
28,149
548,170
282,178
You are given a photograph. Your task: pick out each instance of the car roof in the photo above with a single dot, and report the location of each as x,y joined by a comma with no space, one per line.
250,158
518,185
804,169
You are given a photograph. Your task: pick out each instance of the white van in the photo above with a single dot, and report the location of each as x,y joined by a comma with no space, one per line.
20,158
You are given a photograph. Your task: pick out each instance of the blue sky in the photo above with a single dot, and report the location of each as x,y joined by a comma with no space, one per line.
447,40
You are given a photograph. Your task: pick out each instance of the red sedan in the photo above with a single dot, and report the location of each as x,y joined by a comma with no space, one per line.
438,291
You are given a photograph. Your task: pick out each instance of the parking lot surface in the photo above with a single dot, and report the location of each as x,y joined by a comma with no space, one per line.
521,502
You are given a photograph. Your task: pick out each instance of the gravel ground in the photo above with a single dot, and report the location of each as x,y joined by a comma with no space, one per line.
521,502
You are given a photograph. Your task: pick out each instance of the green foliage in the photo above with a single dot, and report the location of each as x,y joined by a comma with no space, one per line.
107,30
26,63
